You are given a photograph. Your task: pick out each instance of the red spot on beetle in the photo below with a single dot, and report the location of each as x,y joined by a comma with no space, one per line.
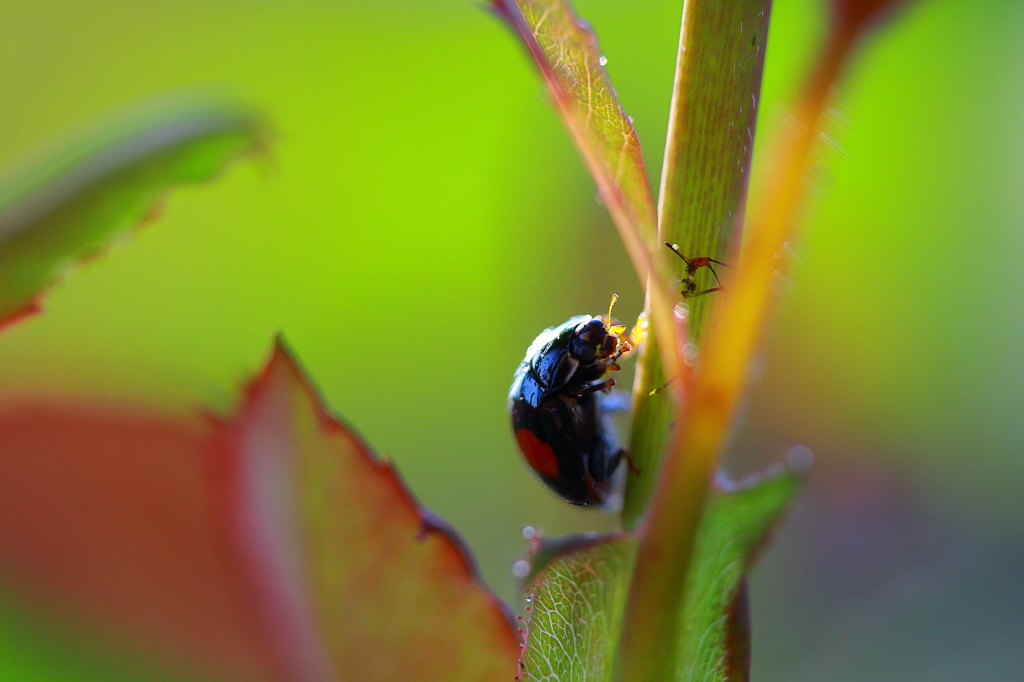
538,453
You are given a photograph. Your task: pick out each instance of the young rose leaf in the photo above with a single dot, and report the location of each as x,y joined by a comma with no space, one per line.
574,610
736,524
571,62
269,546
567,53
387,591
576,599
73,206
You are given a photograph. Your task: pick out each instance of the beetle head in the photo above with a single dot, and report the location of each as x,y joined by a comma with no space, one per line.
592,342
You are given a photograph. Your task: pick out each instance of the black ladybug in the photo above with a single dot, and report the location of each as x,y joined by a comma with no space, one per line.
556,412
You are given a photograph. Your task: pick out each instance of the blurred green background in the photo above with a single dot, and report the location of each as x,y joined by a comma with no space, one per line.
425,217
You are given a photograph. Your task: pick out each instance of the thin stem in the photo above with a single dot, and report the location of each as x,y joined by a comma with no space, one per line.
703,188
658,590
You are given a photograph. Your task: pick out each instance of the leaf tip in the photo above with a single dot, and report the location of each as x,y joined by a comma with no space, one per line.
283,363
283,372
280,352
69,207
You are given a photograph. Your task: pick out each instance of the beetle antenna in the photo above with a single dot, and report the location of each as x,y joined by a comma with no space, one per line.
615,297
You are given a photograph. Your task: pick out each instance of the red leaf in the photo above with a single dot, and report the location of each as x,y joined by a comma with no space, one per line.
302,557
393,592
104,514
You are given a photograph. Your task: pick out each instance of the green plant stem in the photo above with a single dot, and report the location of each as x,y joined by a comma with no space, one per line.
651,633
703,188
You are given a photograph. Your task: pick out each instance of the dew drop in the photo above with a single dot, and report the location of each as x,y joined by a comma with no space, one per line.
690,353
603,60
521,568
529,532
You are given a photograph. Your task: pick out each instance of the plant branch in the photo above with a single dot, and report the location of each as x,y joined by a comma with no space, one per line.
703,189
657,593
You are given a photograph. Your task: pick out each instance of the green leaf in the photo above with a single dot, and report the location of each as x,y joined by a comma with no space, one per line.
577,594
734,527
72,206
574,607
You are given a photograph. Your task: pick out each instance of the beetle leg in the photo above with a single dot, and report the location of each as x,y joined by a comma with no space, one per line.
605,386
555,416
629,460
621,349
603,470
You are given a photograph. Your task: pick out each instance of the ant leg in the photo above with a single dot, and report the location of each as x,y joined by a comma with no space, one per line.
661,388
720,287
674,248
701,293
702,262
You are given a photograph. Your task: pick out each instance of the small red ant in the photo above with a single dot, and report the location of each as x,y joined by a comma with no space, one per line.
694,264
689,282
